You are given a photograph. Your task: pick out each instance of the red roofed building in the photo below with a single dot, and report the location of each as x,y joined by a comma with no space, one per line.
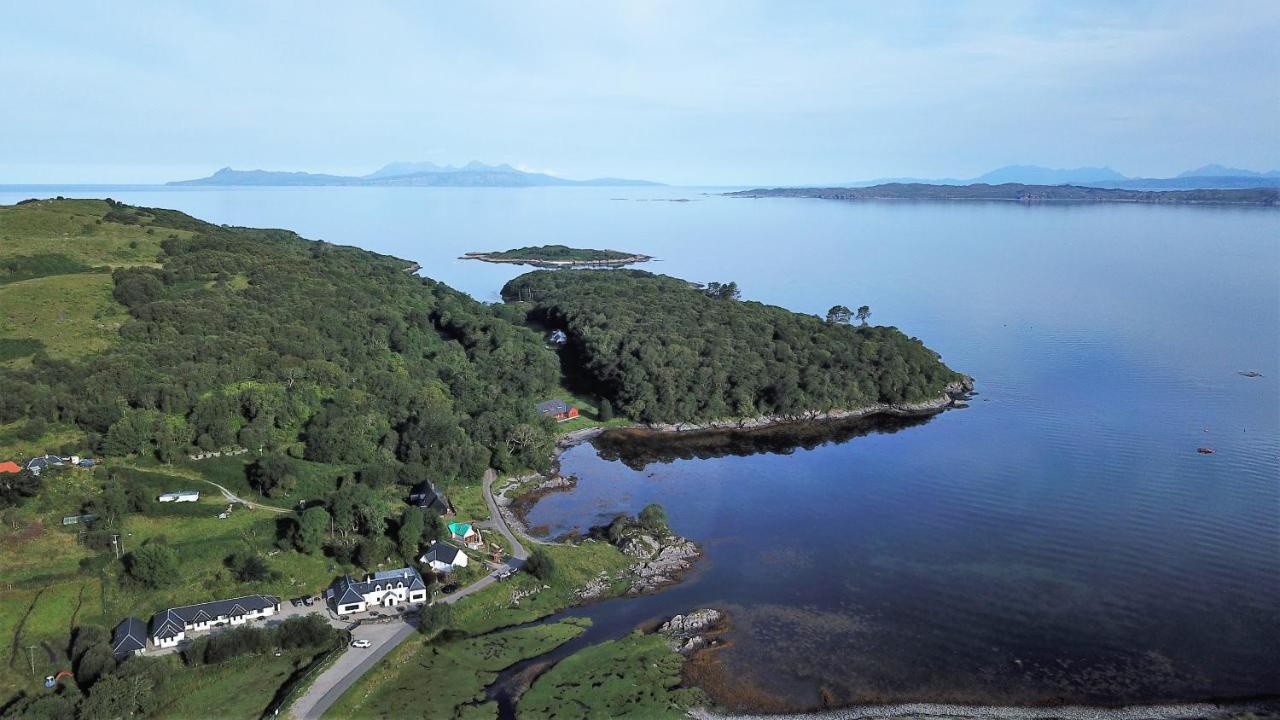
9,467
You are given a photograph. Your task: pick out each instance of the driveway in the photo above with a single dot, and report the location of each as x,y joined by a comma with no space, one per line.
355,662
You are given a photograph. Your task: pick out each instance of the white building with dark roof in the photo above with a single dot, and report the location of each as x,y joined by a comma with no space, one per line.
128,638
170,627
387,588
444,558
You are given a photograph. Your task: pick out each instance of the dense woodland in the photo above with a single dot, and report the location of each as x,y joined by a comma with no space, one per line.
262,339
664,351
558,253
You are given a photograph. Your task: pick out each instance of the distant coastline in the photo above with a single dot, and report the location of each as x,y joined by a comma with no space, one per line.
1018,192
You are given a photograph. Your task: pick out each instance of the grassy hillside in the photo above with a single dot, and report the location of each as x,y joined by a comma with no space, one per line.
140,336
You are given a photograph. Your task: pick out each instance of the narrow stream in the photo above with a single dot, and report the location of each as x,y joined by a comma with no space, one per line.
610,619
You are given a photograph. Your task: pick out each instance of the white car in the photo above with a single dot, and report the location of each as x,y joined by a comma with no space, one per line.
361,644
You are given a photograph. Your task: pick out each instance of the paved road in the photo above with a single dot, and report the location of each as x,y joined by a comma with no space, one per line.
517,550
355,662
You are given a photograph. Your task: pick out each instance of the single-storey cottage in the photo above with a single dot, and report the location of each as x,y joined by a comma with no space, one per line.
37,464
381,589
180,496
170,627
129,638
444,558
464,533
425,496
558,409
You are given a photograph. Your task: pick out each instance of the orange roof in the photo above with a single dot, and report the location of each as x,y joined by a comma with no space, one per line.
9,467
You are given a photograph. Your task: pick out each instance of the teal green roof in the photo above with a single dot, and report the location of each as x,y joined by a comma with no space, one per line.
460,529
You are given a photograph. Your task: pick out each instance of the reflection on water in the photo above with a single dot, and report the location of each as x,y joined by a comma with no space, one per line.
1059,539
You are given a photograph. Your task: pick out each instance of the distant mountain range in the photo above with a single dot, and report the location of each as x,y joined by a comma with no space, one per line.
409,174
1208,177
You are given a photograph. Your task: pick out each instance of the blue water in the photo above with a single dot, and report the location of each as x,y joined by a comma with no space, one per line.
1058,539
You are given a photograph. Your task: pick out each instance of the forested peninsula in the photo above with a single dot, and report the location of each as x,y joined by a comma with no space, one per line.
1018,192
663,351
559,256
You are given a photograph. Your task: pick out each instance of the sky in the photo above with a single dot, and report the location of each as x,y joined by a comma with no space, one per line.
692,93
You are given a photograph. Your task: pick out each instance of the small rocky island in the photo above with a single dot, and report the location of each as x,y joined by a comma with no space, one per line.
559,256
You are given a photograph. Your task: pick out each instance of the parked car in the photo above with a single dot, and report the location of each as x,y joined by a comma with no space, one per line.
308,601
296,602
361,643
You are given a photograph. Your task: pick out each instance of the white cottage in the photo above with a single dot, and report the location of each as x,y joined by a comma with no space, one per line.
170,627
444,558
381,589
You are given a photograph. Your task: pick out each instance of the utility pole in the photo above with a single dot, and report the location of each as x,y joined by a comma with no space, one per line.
31,657
115,545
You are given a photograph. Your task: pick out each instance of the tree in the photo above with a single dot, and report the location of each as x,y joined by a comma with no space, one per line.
606,410
433,527
117,697
409,533
313,525
838,315
435,619
15,488
654,518
864,312
249,567
723,291
272,475
93,664
153,565
540,564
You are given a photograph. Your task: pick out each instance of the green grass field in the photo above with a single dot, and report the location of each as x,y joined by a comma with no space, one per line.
637,676
440,680
70,315
74,229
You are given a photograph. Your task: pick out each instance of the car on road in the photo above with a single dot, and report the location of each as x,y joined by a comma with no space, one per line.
361,643
504,574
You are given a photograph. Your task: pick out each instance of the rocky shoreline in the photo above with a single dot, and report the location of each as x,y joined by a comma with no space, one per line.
940,711
953,394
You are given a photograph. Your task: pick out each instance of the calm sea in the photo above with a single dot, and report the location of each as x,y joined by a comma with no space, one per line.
1058,539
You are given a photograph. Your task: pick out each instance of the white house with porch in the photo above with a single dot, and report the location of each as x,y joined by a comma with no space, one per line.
381,589
170,627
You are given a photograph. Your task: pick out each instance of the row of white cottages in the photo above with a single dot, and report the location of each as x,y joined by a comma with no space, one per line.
170,627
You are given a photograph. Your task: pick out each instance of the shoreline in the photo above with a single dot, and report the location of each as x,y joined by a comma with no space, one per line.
947,711
952,395
617,262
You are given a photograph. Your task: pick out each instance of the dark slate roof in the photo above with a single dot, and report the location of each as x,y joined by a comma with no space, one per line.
443,552
168,623
425,496
129,635
344,590
553,407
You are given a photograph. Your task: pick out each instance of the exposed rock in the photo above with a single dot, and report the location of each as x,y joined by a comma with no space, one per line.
687,632
663,566
640,546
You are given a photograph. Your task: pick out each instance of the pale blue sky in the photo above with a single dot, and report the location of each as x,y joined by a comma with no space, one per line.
683,92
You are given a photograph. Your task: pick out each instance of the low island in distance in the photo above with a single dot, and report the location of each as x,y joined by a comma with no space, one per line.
559,256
